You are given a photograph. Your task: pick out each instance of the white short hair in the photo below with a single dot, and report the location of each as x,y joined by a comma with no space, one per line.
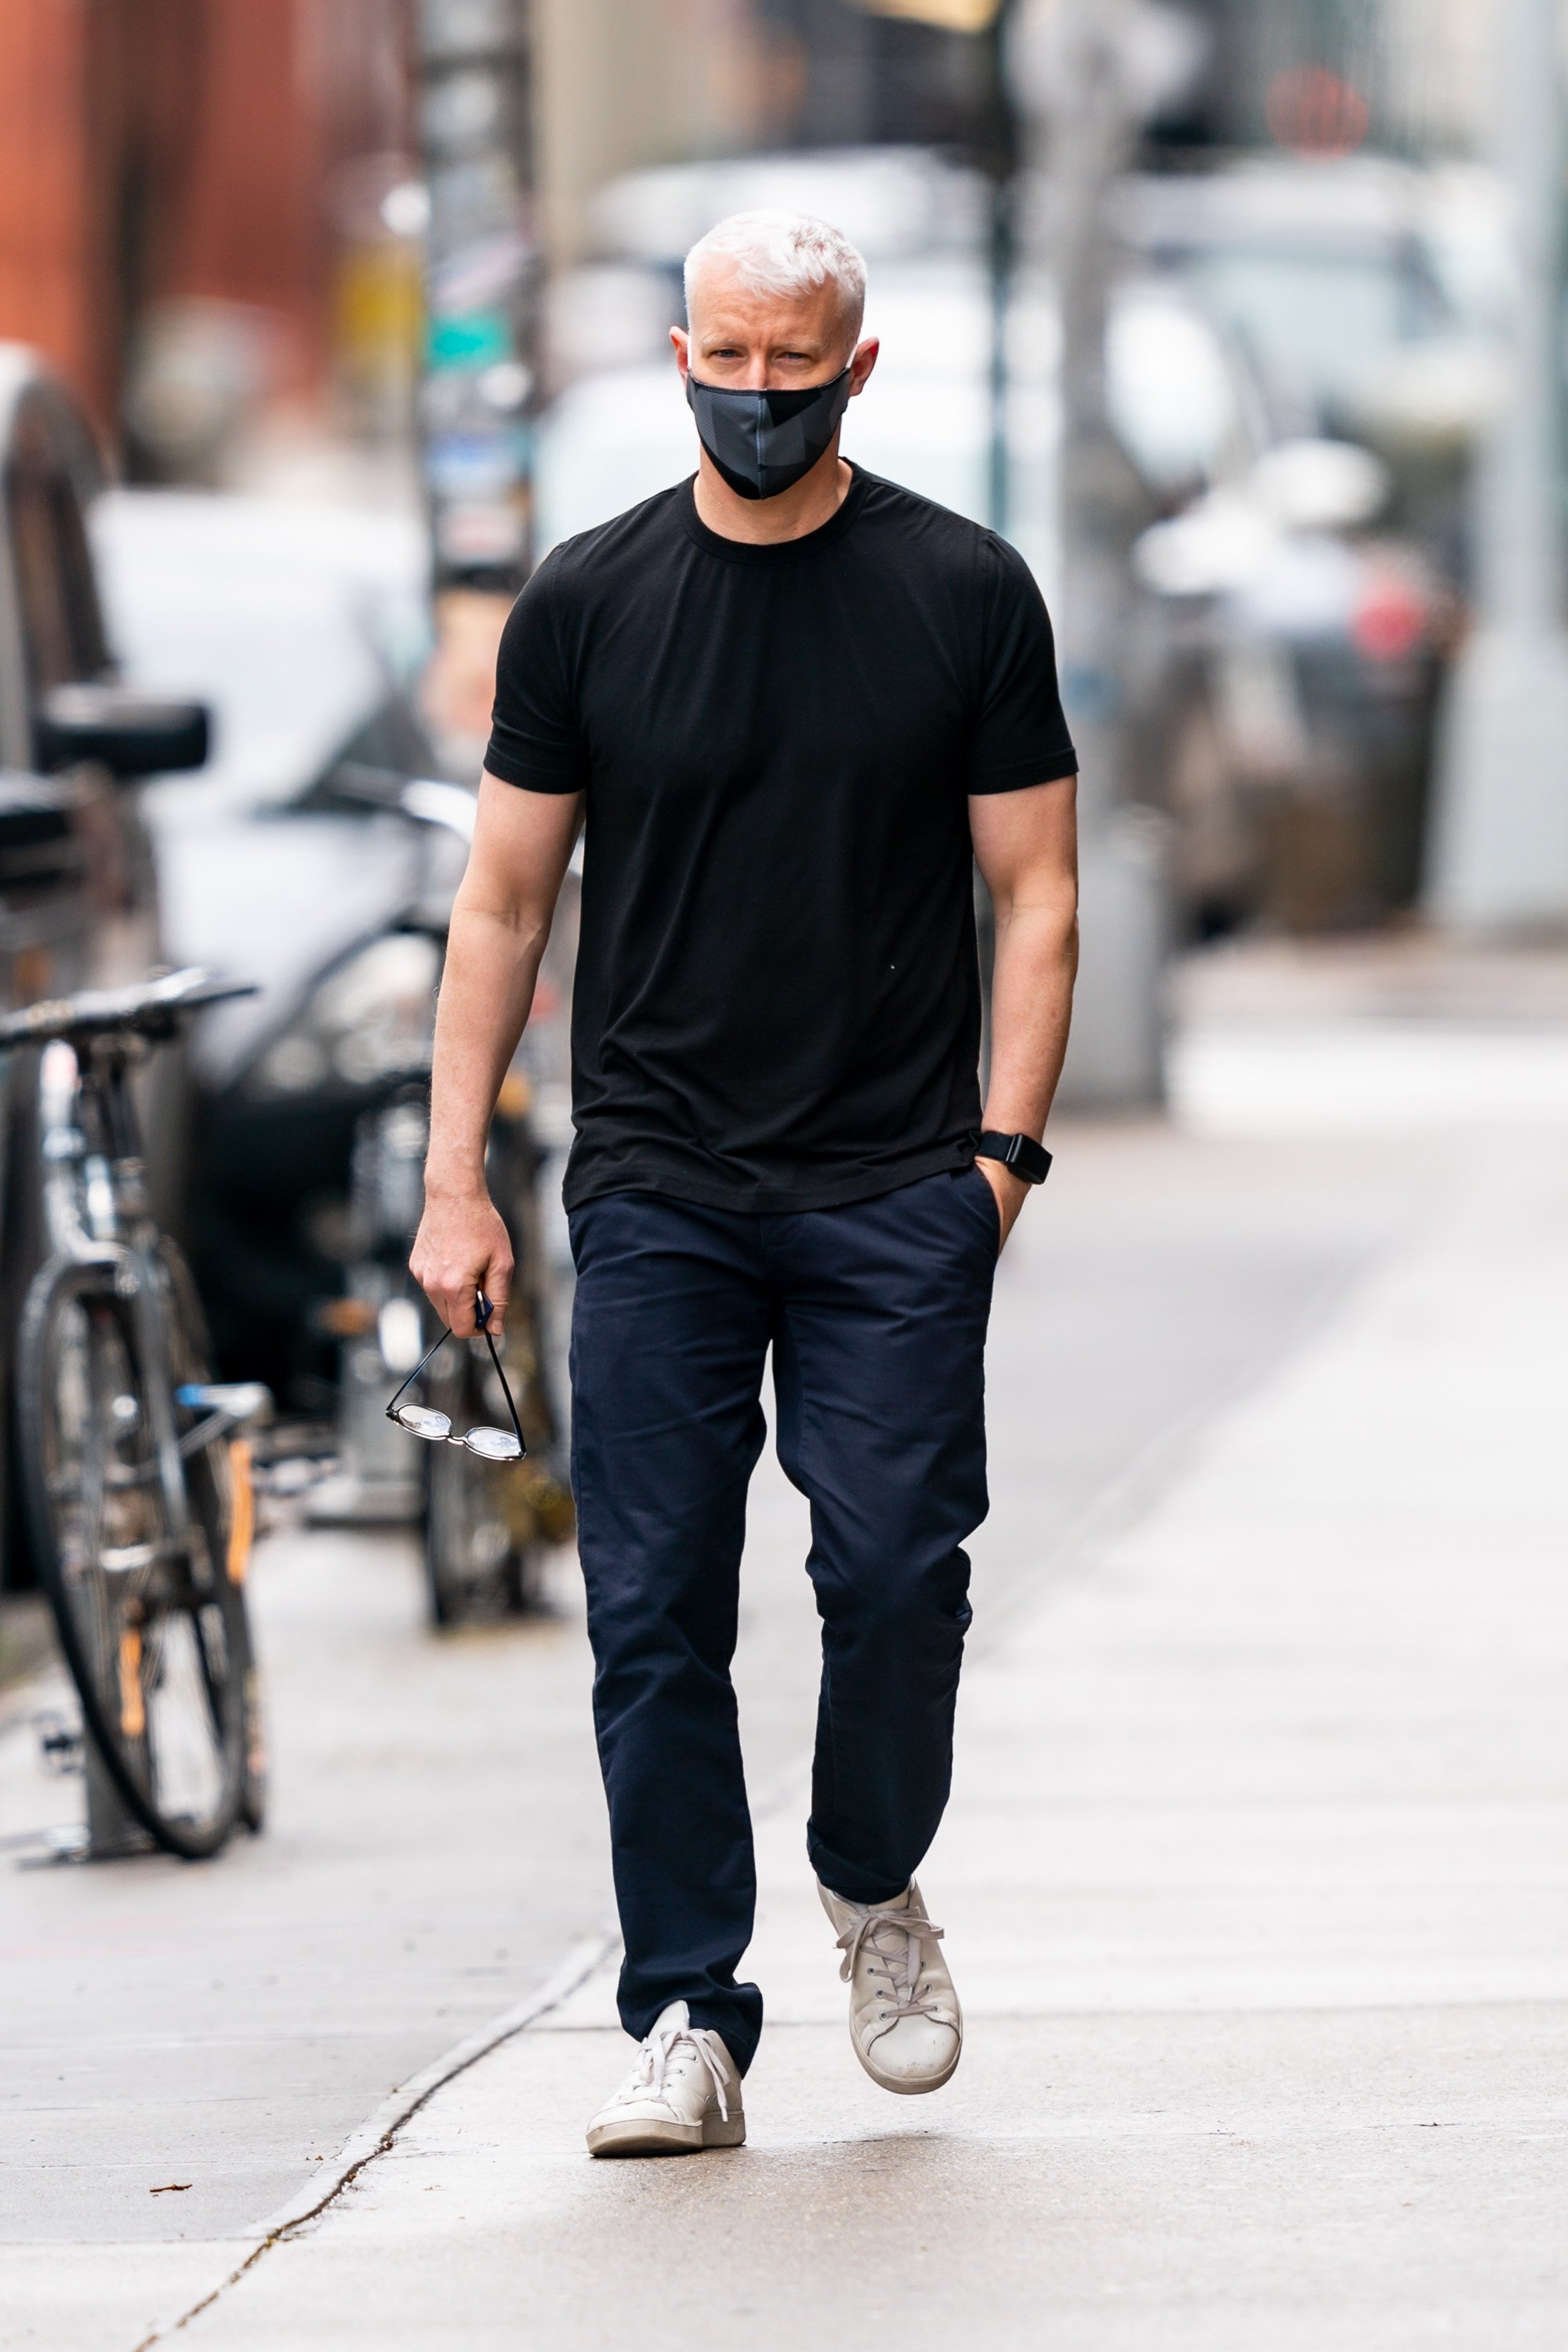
779,252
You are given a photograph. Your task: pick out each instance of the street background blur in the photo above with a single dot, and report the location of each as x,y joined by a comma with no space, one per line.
1240,321
320,322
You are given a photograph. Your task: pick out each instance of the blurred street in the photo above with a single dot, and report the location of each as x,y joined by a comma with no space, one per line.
1234,329
1253,1878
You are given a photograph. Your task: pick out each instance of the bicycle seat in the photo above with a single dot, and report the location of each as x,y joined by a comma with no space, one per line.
147,1008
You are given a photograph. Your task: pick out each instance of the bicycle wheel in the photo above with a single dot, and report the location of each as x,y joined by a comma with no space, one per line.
220,1478
152,1626
481,1541
487,1524
477,1564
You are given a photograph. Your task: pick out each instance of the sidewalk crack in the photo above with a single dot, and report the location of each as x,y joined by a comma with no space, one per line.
382,2129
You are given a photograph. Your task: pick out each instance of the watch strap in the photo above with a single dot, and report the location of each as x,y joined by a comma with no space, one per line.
1021,1153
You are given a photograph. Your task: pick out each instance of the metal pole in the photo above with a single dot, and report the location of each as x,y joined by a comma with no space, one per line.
1521,545
1090,115
480,391
997,150
1092,130
112,1830
1499,834
998,484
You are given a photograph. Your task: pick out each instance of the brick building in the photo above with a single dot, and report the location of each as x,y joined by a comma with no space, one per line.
161,152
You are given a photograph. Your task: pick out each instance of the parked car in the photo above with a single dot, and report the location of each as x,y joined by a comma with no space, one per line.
79,901
1368,296
1298,644
1306,604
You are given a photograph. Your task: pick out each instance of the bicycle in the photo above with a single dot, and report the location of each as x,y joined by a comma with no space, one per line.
487,1523
133,1466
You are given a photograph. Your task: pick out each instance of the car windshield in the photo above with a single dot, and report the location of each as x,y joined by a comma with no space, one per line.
294,623
1316,324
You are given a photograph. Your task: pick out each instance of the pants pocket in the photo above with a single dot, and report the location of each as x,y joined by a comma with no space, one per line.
973,1186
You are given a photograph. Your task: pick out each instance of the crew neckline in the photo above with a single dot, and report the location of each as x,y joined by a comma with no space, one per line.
777,550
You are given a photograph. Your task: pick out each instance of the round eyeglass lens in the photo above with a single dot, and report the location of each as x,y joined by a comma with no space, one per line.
420,1421
494,1445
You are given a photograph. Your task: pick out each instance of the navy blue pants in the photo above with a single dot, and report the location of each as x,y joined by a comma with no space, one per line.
876,1315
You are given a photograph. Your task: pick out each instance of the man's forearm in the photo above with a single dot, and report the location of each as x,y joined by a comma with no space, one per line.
500,926
487,990
1031,1006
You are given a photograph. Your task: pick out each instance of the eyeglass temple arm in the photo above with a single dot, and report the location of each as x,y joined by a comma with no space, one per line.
483,1320
419,1367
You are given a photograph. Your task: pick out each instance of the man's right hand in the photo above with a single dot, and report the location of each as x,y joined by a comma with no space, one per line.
460,1249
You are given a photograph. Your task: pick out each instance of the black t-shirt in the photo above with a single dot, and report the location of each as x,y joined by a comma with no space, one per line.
777,1004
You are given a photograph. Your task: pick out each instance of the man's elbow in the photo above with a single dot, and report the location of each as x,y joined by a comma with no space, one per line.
482,907
1055,902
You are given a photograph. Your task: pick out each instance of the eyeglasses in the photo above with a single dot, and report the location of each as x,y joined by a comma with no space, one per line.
436,1428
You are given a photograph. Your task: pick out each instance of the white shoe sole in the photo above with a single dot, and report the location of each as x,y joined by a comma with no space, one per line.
647,2138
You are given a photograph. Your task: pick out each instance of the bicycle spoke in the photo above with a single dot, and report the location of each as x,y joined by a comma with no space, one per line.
213,1687
83,1569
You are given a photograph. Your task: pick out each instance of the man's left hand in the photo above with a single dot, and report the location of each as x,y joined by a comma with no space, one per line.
1011,1194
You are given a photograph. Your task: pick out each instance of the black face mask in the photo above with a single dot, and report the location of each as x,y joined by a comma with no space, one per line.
761,442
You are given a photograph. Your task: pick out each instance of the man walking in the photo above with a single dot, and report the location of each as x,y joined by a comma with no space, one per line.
790,702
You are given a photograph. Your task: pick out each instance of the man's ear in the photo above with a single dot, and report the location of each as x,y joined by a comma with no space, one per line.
682,342
863,360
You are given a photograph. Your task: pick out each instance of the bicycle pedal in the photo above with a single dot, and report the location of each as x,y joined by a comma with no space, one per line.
61,1745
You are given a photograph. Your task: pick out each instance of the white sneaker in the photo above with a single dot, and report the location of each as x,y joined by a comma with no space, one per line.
682,2096
904,2017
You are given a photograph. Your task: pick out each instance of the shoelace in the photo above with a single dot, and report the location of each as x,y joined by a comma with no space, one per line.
657,2051
912,1924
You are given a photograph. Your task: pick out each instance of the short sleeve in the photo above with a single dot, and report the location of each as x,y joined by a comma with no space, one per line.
535,739
1020,733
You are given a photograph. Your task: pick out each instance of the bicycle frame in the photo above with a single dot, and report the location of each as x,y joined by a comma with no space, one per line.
97,1213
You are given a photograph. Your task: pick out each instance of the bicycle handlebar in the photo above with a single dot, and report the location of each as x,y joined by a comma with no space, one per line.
150,1008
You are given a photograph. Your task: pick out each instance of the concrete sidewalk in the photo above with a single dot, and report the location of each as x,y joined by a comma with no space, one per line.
1257,1888
437,1837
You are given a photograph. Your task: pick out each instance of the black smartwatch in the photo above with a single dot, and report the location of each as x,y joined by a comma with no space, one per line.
1021,1153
